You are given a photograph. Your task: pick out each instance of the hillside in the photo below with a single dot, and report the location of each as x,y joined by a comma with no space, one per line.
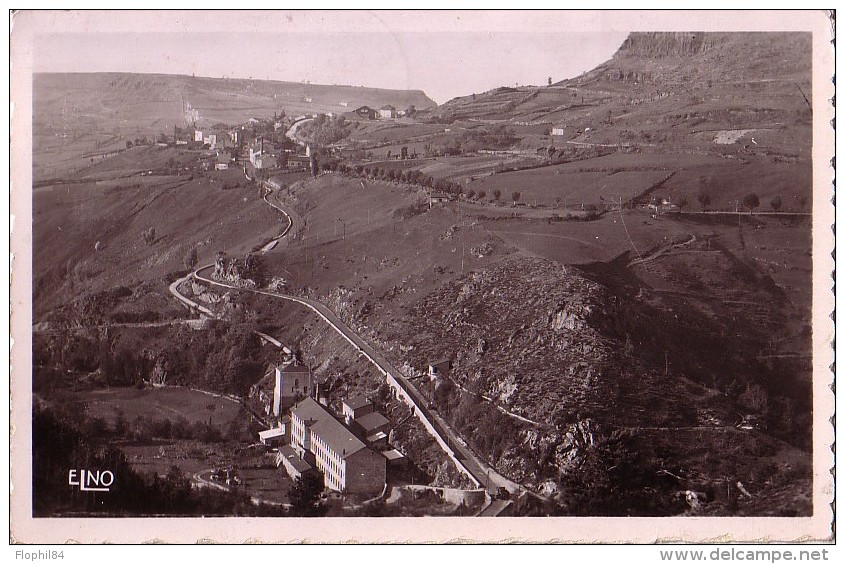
128,100
683,87
81,114
584,327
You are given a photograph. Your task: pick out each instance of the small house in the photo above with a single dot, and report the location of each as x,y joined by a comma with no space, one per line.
437,198
439,367
224,158
366,112
558,130
387,112
356,406
294,462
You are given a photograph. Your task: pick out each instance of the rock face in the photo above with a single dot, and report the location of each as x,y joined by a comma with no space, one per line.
523,331
580,437
657,45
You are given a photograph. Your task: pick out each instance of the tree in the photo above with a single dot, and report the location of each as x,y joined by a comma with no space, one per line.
516,196
482,194
129,144
550,81
776,203
751,201
470,193
704,199
191,259
497,193
683,202
304,496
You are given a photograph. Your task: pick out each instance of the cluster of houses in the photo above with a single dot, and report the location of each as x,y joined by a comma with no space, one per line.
241,142
350,449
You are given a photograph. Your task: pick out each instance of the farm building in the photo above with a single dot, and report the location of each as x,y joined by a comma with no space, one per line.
387,112
558,130
224,158
348,465
298,162
437,198
366,112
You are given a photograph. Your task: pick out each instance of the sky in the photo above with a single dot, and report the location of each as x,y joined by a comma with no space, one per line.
443,54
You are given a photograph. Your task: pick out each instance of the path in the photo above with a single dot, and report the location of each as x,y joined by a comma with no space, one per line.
660,251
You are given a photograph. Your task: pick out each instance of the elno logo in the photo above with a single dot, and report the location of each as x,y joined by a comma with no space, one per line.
90,480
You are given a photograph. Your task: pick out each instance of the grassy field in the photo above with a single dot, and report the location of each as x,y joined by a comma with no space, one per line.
398,132
580,242
546,186
160,403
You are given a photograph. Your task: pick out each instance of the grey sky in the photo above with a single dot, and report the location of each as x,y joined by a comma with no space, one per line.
442,54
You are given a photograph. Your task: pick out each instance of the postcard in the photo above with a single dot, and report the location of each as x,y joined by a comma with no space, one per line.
421,276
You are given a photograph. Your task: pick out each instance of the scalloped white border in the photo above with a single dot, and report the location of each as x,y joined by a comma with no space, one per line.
26,27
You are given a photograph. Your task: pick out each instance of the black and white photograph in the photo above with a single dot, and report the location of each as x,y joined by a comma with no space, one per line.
310,268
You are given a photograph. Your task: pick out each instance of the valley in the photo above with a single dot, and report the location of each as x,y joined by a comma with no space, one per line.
598,292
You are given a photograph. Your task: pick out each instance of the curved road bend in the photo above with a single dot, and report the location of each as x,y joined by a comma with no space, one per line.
480,470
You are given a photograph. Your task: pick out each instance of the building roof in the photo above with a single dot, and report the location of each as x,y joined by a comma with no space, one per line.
290,368
357,402
337,436
273,433
309,411
288,453
440,363
392,454
376,437
324,425
371,421
388,107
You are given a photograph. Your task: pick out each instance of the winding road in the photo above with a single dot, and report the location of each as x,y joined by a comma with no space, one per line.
481,473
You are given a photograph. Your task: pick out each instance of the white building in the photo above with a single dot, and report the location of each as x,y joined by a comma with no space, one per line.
347,464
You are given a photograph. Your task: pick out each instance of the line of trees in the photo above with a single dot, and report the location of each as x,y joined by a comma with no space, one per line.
415,177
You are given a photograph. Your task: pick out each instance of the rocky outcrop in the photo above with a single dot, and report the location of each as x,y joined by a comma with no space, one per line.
656,45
